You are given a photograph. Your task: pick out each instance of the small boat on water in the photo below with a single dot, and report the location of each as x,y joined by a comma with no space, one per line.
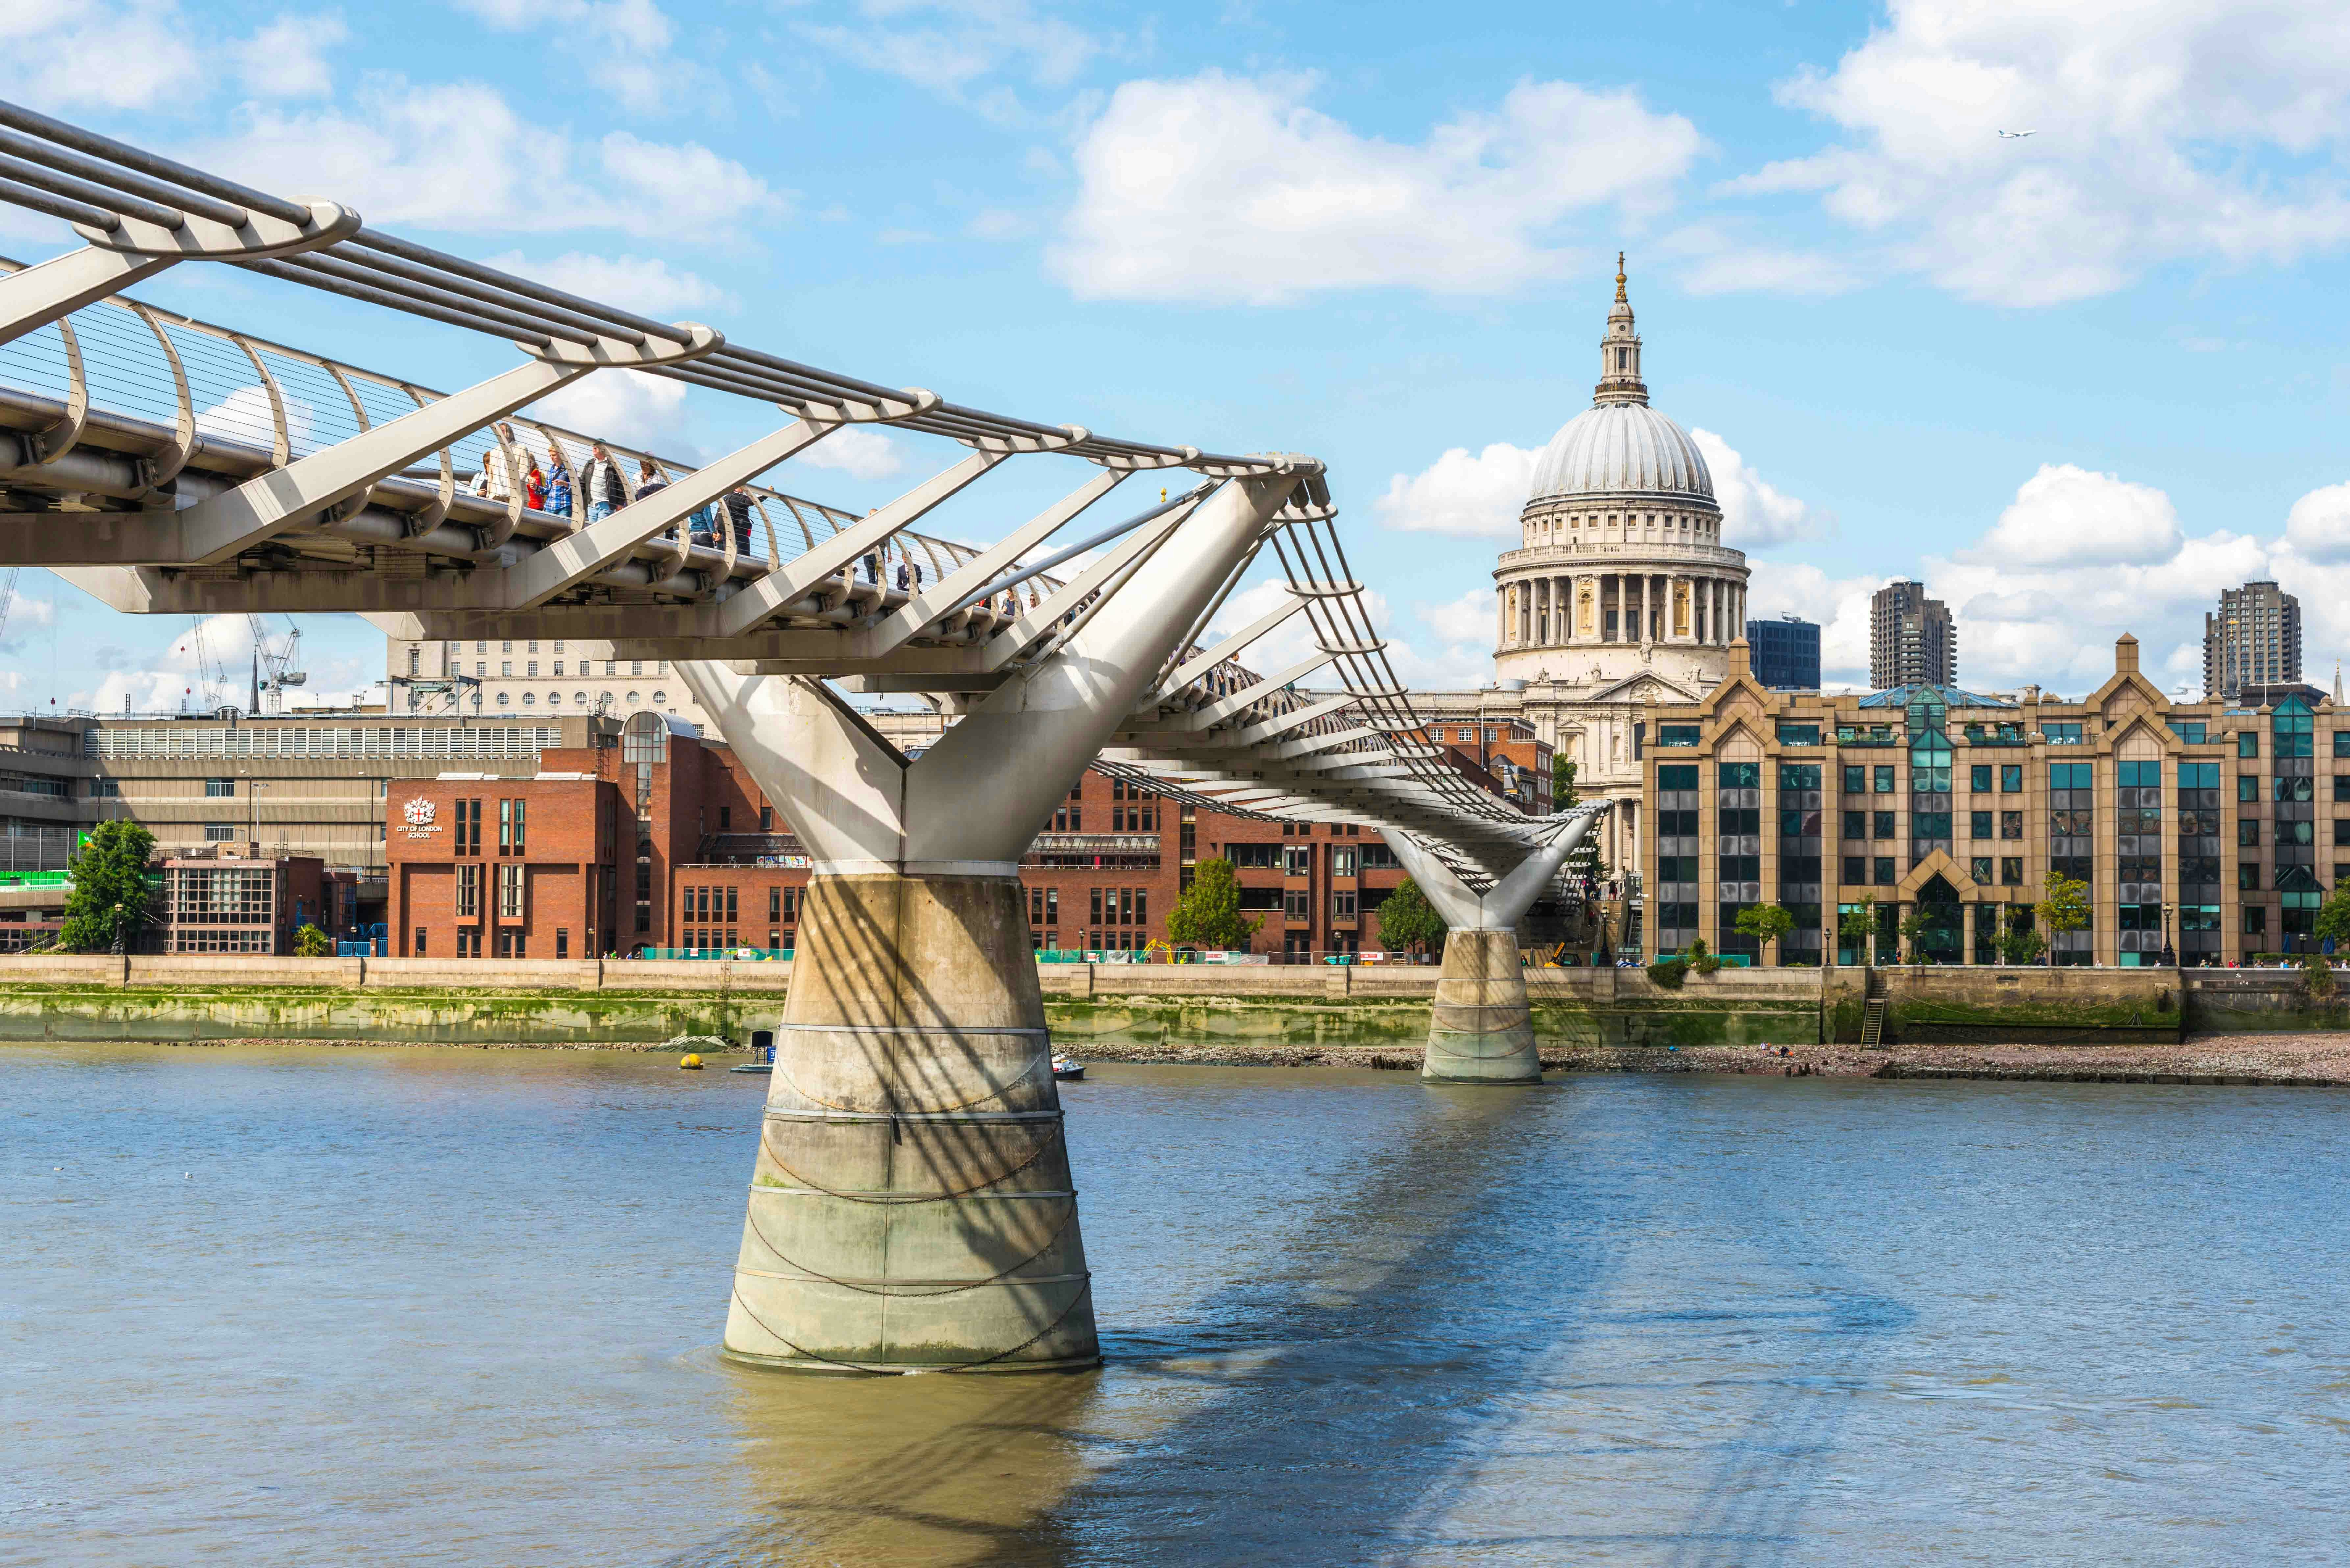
763,1056
1066,1068
763,1068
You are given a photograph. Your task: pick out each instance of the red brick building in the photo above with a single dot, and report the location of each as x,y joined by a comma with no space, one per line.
662,841
233,899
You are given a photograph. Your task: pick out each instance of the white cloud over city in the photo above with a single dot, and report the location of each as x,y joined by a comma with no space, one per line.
2204,129
459,157
1219,188
2073,560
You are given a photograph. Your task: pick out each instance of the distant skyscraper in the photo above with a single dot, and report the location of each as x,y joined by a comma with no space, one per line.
2254,640
1911,639
1786,653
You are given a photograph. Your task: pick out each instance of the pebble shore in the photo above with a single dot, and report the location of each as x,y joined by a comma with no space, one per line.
2307,1059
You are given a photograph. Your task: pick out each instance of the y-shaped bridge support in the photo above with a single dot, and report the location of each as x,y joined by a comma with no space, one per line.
1481,1030
911,1207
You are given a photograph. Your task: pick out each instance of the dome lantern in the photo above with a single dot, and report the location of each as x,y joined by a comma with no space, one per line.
1620,352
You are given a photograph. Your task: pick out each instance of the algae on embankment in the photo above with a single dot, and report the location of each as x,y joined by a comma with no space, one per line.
434,1016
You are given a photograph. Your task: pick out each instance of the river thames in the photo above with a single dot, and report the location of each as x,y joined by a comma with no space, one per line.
302,1306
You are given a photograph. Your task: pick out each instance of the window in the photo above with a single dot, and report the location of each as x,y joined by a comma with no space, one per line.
775,903
2248,832
2256,920
510,893
2293,789
2248,744
220,789
1979,824
469,892
1296,904
725,817
2010,871
1855,870
2010,824
563,941
2248,877
1793,734
1342,905
2248,787
420,941
766,819
1097,907
1856,779
1343,862
1884,784
1676,734
2061,735
220,832
2295,729
2189,731
469,827
558,668
1856,825
1881,826
1978,778
1297,861
1885,878
1979,867
2011,778
531,669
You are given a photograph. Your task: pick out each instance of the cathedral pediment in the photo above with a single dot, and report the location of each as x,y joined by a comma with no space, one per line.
1646,687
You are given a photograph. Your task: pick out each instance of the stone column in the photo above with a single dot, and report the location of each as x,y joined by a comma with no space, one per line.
1480,1030
1646,577
911,1206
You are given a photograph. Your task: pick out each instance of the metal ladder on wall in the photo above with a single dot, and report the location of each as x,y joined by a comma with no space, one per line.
1872,1013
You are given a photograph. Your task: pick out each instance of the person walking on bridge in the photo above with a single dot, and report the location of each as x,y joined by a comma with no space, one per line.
605,491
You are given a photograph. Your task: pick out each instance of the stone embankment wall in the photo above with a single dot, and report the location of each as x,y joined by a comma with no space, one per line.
588,1002
469,1001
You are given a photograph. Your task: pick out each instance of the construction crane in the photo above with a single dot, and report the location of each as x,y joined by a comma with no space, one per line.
208,674
8,597
272,669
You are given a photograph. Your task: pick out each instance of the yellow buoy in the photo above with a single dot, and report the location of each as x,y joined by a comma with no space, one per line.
690,1060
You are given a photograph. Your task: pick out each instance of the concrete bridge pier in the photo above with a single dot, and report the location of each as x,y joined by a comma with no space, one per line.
1482,1029
911,1205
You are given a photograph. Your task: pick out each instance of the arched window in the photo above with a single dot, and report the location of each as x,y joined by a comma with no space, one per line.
1623,358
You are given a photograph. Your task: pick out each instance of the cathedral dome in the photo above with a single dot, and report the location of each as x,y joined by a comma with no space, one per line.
1621,447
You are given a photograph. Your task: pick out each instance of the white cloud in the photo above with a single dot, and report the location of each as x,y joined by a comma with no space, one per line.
2318,526
629,407
247,415
287,57
995,223
1458,494
621,45
1449,667
643,284
110,54
955,50
1468,620
1754,515
1839,604
171,680
2199,129
2064,515
457,157
857,452
1221,188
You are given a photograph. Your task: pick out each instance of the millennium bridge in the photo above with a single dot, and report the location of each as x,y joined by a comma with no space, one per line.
911,1206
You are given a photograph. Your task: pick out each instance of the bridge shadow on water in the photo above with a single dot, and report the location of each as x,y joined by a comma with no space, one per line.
1456,1360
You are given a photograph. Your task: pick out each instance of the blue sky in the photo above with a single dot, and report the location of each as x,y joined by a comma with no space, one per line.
2078,382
